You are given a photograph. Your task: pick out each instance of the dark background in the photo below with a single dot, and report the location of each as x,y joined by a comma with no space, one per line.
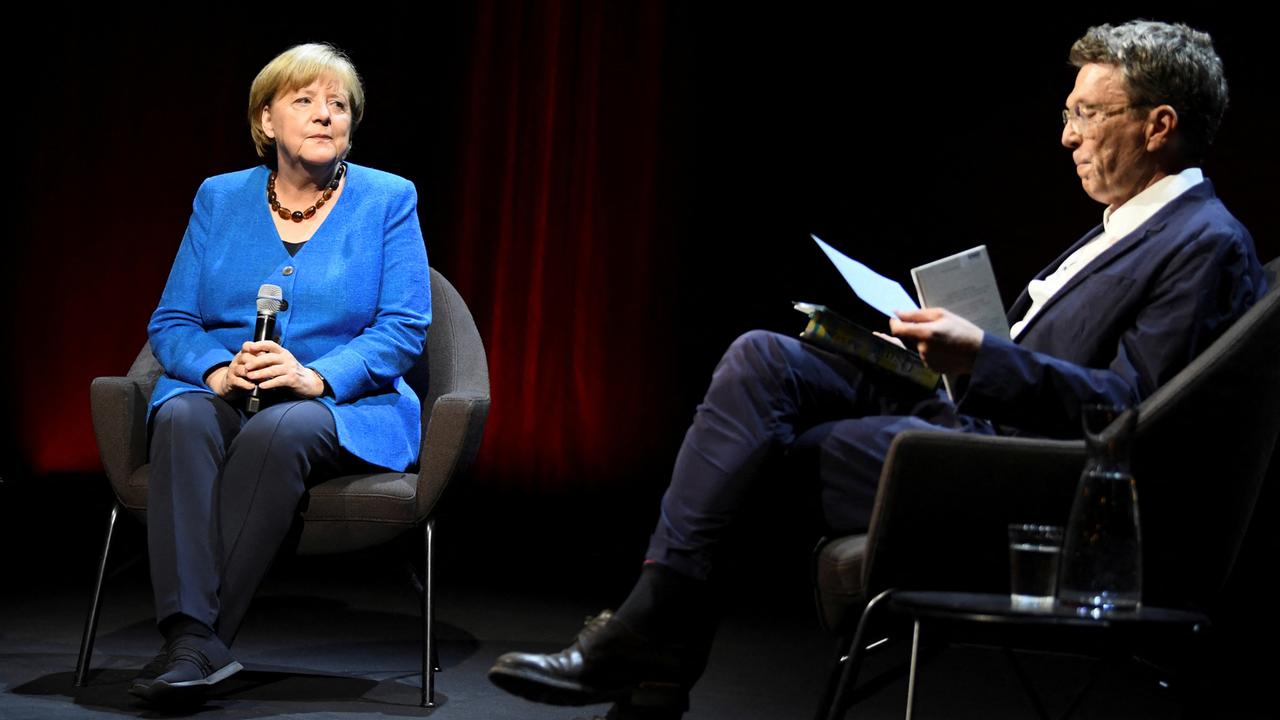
617,189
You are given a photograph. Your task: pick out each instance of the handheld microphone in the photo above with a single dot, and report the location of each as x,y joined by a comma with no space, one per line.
270,302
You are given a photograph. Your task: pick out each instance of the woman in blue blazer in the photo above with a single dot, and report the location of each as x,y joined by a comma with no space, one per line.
342,243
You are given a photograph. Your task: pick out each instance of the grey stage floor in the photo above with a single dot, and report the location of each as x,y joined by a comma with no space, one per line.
326,642
337,636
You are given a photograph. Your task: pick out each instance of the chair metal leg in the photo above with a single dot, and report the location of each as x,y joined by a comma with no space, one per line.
833,677
429,657
852,663
915,657
91,622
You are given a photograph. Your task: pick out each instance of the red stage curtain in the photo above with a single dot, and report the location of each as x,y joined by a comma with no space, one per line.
560,237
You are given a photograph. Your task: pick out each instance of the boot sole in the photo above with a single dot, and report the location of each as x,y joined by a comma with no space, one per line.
558,691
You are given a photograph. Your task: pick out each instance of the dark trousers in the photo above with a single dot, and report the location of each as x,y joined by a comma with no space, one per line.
223,492
772,394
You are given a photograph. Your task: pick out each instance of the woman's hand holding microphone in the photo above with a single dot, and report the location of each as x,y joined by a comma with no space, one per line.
267,365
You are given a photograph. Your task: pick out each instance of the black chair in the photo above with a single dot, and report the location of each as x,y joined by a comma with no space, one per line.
346,513
1204,441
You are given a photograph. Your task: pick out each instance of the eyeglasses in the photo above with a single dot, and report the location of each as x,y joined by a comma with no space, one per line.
1082,116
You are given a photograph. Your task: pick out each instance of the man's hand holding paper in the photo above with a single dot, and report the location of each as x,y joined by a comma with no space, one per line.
946,342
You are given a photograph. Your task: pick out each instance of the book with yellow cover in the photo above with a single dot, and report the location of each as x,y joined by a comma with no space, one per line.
832,332
964,283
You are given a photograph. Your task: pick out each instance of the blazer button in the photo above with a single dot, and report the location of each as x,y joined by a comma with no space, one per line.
288,270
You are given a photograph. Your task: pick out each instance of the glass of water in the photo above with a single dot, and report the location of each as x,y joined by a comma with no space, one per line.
1034,551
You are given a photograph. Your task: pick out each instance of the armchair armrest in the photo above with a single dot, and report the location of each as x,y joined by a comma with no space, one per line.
119,410
454,427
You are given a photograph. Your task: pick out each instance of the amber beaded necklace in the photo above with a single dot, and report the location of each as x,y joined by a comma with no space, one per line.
300,215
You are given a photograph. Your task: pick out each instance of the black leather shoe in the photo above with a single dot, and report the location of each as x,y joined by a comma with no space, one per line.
608,662
193,666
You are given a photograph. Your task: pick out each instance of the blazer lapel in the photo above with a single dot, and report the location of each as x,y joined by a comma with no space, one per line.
1023,303
1154,225
1122,246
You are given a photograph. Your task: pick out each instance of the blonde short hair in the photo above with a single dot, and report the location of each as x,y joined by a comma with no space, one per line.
298,67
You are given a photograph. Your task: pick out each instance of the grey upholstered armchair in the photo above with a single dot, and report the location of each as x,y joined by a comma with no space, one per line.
345,513
1204,441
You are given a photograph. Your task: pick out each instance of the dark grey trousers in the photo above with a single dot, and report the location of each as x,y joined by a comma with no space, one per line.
224,490
774,394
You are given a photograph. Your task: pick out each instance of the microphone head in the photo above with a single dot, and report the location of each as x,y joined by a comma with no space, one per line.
270,298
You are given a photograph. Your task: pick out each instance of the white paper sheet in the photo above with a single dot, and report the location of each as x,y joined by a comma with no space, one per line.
965,284
875,290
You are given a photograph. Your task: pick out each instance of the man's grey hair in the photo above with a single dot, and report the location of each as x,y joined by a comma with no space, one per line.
1164,64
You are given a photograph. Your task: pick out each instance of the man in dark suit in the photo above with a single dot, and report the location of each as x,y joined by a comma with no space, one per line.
1110,320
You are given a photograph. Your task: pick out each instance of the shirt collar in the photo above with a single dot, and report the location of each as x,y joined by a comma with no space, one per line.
1126,218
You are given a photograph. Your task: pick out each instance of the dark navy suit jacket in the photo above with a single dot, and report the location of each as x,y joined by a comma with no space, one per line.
1125,324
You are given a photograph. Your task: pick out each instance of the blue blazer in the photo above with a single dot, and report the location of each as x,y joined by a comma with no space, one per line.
1125,324
358,292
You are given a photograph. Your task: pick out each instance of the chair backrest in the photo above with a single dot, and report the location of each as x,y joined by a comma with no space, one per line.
1204,443
454,358
454,363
